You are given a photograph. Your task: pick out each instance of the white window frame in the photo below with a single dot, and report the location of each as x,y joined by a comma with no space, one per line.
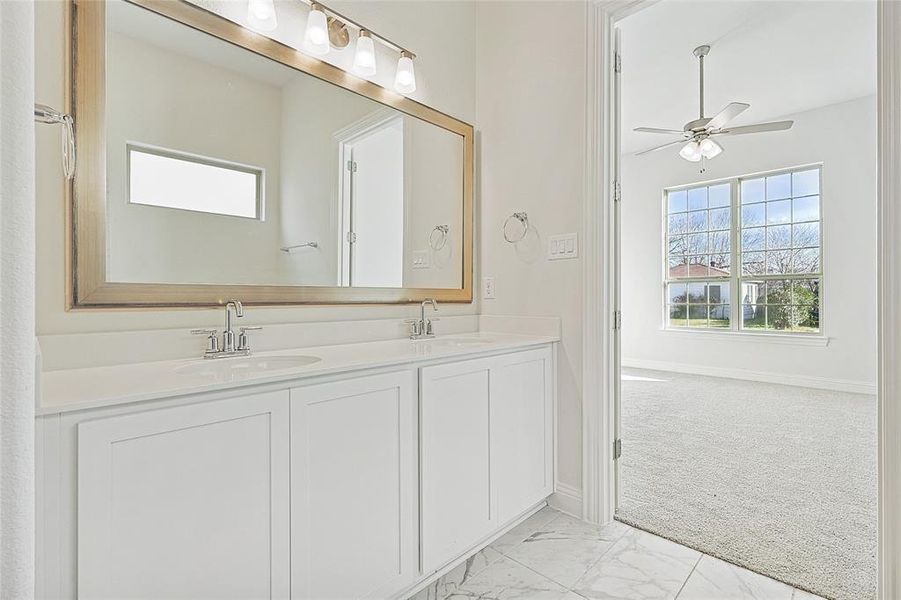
258,172
736,275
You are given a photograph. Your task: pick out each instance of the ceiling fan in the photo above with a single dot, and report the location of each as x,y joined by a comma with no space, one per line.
697,136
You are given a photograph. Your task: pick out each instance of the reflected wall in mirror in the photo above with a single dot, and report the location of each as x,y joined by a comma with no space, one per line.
230,167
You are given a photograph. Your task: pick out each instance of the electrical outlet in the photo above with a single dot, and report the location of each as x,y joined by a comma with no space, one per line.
421,259
488,288
560,247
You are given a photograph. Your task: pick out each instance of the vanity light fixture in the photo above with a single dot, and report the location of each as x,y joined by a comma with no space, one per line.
315,38
405,78
327,28
364,55
261,15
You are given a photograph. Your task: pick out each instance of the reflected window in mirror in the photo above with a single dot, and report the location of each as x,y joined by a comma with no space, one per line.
170,179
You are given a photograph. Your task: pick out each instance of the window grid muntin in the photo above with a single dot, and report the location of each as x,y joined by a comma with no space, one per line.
737,276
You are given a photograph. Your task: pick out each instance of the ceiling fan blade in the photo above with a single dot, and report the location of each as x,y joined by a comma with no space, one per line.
658,130
758,128
655,148
727,114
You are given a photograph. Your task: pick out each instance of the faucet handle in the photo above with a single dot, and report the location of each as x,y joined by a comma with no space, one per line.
212,339
242,337
414,326
428,325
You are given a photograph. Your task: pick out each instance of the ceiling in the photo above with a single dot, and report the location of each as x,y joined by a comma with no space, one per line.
141,24
780,57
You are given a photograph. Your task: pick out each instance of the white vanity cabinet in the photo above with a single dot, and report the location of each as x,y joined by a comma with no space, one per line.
487,447
353,487
186,502
354,484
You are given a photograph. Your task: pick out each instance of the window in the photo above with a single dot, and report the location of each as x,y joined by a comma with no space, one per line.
755,239
170,179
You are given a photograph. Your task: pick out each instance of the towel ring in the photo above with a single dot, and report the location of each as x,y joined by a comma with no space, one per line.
438,242
523,219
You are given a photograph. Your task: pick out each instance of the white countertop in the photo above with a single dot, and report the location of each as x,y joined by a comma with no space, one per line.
79,389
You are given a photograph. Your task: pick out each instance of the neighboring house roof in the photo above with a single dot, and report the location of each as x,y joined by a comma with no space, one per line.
696,270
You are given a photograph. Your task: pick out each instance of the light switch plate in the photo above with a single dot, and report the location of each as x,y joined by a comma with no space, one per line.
488,288
561,247
421,259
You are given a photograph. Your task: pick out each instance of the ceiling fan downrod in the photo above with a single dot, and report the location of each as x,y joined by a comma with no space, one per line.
701,52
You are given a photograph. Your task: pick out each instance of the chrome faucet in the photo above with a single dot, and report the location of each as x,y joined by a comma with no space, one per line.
423,327
232,344
228,336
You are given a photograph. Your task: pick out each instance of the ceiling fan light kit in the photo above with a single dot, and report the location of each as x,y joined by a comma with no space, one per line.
691,151
696,135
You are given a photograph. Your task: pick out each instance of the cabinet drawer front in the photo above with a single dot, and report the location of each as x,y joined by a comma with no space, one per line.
354,487
186,502
457,503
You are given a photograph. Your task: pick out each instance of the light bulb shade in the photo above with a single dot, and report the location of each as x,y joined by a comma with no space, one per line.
315,39
405,79
364,55
261,15
691,151
709,148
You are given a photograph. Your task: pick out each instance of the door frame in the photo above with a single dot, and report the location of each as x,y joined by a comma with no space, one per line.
600,362
344,140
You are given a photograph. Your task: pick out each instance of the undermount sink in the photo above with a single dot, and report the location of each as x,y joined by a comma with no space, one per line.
246,365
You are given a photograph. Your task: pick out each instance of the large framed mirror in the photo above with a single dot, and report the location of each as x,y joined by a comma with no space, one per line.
214,162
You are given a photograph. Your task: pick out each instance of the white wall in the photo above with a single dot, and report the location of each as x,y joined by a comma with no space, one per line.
531,117
843,138
441,33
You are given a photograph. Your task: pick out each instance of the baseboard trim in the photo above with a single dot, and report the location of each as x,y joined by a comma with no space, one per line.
567,499
820,383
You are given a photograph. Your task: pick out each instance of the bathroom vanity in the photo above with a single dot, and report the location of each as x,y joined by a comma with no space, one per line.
348,471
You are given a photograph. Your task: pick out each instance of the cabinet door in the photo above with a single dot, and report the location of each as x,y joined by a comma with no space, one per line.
353,513
522,429
457,506
186,502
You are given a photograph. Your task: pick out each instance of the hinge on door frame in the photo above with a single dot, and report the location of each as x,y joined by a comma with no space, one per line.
617,62
351,166
617,448
617,320
351,236
617,191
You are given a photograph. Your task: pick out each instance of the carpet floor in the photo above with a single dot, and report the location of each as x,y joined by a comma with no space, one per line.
778,479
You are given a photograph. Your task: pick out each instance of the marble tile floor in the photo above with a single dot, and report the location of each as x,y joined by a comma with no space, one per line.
552,556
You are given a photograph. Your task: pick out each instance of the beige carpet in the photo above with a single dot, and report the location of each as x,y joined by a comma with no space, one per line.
778,479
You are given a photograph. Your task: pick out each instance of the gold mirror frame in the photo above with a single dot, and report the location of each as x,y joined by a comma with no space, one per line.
87,286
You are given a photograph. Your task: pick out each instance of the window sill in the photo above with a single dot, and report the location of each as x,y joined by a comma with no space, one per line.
789,339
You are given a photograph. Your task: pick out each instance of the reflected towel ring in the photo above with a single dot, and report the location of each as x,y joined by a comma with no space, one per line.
523,219
438,242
